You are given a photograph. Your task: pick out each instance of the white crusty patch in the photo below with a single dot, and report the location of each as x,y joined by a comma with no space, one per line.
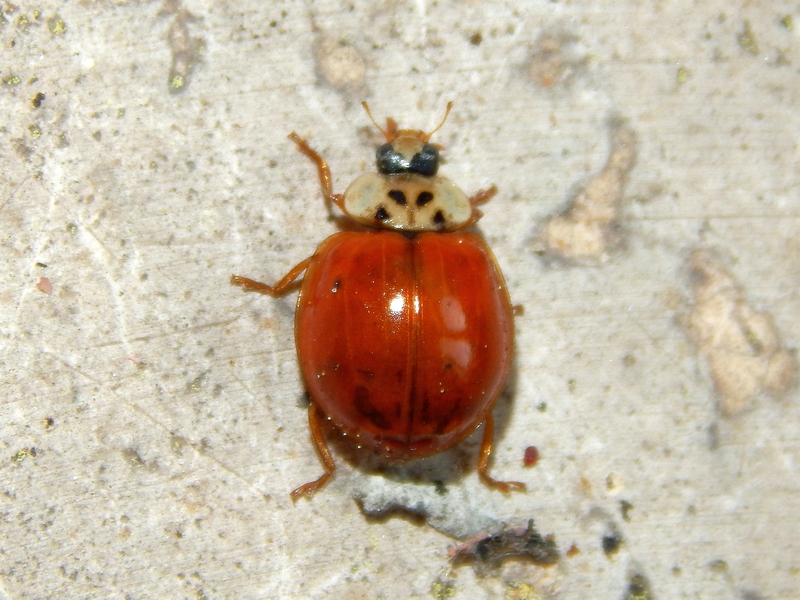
587,230
741,345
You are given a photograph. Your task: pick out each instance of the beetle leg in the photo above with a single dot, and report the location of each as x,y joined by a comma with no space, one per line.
323,170
251,285
483,196
315,426
483,462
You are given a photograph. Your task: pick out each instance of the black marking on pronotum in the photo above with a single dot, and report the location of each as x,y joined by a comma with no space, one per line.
381,214
425,162
391,162
398,196
424,198
438,218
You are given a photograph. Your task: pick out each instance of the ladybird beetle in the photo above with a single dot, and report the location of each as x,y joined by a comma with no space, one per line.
404,328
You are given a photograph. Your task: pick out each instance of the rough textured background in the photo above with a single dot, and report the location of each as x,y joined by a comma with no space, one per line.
151,420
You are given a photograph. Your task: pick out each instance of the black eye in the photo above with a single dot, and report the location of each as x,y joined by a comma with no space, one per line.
389,161
425,162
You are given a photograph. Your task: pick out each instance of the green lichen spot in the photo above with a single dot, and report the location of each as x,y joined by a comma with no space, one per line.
747,40
177,82
442,590
788,22
13,80
638,588
625,509
35,131
521,591
719,566
56,25
683,75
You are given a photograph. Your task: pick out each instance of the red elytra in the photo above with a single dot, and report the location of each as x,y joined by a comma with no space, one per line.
404,328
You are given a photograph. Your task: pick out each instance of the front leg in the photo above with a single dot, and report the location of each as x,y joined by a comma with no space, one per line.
323,170
280,288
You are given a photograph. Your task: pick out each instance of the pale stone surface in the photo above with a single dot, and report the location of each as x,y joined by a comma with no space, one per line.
151,423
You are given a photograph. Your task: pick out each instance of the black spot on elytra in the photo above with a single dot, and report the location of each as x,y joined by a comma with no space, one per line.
425,412
447,419
398,196
424,198
381,214
367,409
441,426
438,218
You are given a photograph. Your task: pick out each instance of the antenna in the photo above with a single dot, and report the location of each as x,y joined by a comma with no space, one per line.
390,133
439,126
386,134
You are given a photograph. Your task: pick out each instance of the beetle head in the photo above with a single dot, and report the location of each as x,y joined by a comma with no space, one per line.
407,150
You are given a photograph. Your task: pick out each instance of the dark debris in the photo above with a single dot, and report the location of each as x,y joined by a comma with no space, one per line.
488,552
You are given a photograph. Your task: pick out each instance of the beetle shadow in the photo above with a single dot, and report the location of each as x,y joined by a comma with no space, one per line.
439,470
